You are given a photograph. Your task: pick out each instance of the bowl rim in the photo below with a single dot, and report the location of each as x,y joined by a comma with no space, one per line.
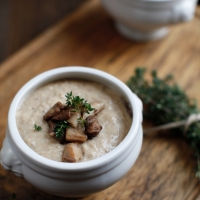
37,159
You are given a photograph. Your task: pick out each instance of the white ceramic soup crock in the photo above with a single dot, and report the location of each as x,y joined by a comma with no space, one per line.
72,179
143,20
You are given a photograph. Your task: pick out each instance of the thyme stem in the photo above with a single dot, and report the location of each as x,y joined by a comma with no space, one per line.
186,123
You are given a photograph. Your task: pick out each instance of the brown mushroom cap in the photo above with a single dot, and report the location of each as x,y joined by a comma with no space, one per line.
73,120
53,111
63,115
72,153
51,128
73,135
92,126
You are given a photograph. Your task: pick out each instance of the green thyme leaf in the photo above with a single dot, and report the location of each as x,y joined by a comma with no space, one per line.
37,128
60,128
79,104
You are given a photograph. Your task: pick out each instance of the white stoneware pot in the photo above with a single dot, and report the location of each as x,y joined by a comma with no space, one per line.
143,20
72,179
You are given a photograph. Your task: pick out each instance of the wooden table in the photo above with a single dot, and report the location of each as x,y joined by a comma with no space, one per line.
165,167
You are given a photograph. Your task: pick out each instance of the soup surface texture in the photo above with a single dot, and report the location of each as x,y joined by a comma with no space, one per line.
114,118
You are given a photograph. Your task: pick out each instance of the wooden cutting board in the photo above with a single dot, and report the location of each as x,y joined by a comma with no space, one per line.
165,167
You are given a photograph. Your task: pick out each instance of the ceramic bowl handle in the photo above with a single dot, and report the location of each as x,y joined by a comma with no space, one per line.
8,160
184,11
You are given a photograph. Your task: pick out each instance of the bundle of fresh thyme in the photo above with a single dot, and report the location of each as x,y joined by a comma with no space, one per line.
165,102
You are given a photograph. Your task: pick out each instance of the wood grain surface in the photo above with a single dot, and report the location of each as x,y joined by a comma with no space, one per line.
165,167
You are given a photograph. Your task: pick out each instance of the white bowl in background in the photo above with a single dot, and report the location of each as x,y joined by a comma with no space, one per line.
144,20
72,179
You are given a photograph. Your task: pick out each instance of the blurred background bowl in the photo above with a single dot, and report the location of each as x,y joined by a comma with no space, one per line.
144,20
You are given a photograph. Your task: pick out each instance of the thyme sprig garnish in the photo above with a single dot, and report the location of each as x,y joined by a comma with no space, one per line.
37,128
60,128
166,102
79,104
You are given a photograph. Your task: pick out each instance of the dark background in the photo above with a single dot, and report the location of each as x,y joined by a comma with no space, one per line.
22,20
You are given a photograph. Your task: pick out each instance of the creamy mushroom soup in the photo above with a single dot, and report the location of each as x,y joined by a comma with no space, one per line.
114,119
